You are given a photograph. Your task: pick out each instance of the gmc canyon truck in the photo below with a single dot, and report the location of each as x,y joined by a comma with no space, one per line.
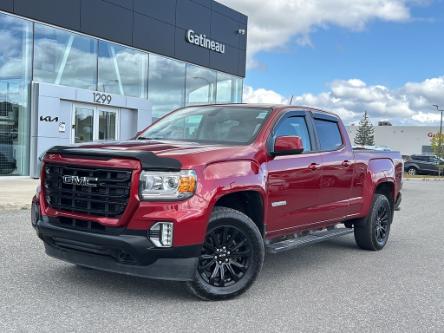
203,193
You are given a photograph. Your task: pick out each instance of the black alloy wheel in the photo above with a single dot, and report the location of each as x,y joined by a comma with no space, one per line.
372,232
382,224
232,256
412,171
226,256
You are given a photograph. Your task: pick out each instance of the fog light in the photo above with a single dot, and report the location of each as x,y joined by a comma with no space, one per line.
161,234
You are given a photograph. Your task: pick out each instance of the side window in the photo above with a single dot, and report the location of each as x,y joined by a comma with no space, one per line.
329,134
295,126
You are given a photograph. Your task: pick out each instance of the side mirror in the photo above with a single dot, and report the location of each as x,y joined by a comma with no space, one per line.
288,145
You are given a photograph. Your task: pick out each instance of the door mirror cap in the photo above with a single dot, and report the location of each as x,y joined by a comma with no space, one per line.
288,145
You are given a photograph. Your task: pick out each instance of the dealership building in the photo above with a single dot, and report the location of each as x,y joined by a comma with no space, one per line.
75,71
409,140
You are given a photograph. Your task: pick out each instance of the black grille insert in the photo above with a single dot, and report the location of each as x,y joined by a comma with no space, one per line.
107,197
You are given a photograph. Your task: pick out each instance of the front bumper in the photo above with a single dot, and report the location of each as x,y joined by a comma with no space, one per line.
117,250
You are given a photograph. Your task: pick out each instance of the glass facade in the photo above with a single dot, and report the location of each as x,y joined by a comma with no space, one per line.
64,58
15,78
37,52
122,70
200,85
229,88
166,84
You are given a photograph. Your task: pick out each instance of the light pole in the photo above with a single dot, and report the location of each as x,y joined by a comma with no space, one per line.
440,137
440,130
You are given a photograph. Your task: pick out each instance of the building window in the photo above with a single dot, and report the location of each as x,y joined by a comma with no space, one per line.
64,58
229,88
200,85
166,85
122,70
15,68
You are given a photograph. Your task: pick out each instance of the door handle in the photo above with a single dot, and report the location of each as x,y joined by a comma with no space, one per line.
314,166
346,163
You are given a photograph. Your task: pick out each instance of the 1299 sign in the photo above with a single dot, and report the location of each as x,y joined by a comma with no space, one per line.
102,98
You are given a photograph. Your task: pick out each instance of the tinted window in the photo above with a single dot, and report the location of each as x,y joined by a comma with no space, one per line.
420,158
295,126
209,124
329,134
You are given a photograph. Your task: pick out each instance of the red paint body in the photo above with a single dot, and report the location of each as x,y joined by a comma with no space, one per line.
320,188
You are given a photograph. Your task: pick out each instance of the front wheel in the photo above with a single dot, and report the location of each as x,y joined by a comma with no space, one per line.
372,232
231,258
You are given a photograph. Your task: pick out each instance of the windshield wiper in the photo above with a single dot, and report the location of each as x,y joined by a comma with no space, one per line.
144,138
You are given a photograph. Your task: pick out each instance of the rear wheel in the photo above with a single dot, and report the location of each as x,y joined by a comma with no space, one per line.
372,232
412,171
231,257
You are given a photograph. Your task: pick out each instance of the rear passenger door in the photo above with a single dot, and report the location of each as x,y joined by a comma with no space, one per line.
337,167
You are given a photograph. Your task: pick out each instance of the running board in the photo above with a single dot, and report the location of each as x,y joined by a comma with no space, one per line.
312,238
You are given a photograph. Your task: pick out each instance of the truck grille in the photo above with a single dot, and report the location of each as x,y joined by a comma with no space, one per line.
107,195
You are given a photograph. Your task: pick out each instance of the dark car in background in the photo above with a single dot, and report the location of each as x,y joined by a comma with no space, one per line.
424,165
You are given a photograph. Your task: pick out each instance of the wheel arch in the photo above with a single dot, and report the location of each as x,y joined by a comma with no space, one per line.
249,202
387,188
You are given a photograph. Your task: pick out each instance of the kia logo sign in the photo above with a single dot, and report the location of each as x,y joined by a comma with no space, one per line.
49,119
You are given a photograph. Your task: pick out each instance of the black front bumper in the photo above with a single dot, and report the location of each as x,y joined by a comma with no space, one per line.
118,250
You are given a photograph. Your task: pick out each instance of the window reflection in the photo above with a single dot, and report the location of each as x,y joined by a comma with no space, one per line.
64,58
166,85
122,70
15,66
200,85
229,89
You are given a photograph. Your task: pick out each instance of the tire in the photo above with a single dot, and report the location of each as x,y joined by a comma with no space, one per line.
234,239
412,171
372,232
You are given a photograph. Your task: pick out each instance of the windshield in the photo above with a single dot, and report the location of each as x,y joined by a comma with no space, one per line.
214,124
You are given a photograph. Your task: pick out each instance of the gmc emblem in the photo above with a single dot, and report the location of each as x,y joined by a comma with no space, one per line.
82,181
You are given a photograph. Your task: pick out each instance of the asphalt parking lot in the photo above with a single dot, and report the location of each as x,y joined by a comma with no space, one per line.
332,286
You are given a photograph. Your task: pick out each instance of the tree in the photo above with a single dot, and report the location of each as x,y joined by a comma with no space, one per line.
365,135
438,145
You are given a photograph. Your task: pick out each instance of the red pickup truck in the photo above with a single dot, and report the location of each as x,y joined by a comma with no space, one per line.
203,193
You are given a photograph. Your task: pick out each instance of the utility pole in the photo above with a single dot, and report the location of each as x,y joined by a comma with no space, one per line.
440,136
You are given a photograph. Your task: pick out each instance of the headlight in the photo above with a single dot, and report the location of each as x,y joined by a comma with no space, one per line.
167,185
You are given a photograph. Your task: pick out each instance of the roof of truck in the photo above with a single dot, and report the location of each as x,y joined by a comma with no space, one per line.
270,106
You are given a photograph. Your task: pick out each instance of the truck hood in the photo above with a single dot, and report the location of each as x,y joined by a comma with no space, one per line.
188,154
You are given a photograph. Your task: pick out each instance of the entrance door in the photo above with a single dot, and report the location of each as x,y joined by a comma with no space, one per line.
92,123
107,127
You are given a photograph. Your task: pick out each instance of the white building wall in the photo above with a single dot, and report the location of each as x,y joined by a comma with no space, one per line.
408,140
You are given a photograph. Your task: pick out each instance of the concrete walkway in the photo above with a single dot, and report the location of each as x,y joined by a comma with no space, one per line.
16,193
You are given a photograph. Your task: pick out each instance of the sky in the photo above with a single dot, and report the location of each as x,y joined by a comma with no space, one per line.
385,57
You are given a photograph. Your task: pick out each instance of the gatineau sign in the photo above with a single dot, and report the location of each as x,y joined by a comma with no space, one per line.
202,41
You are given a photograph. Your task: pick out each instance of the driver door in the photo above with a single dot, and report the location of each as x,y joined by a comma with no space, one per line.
294,181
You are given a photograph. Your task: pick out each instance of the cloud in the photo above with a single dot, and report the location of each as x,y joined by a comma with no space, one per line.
409,105
273,25
263,96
